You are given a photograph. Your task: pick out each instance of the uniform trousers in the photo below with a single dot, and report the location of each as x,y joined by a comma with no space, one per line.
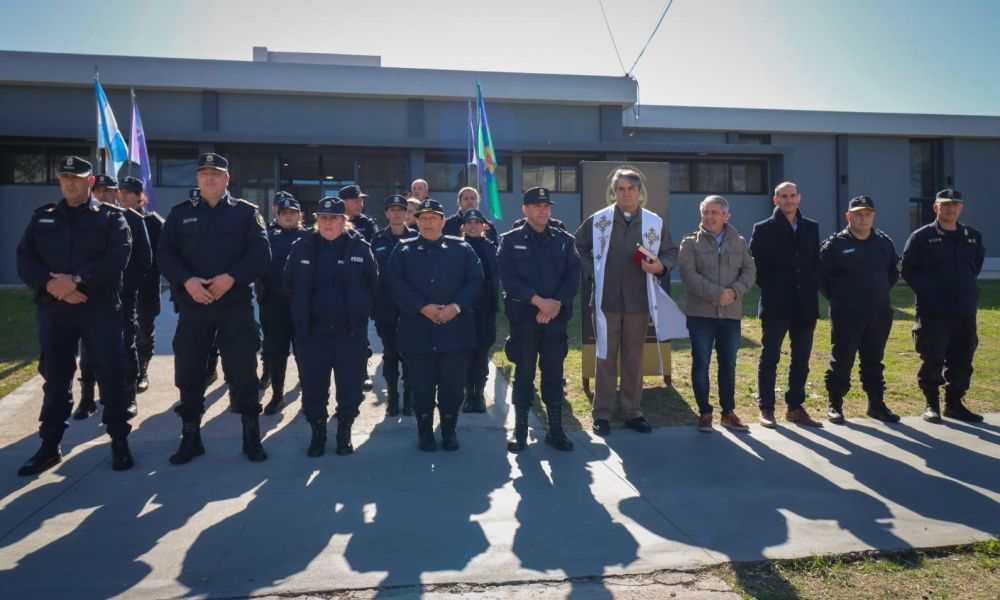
278,335
130,328
863,334
946,344
440,374
393,364
531,344
345,354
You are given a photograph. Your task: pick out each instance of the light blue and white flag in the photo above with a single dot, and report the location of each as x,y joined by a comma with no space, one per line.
110,141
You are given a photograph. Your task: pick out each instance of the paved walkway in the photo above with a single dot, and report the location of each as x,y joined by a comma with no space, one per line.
390,518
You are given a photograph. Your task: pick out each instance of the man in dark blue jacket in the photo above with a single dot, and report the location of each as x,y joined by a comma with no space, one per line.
72,256
857,268
785,248
212,248
386,313
941,262
132,195
540,271
435,280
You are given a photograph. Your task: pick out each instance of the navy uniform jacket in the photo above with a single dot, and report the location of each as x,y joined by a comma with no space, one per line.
552,223
95,246
488,301
200,241
856,275
422,272
787,267
141,257
546,264
942,268
272,283
366,226
362,281
385,310
453,226
151,282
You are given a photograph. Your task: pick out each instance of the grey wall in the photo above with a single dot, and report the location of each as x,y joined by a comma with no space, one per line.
812,166
977,165
879,167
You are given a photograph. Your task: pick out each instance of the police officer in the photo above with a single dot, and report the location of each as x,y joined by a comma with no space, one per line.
354,203
212,248
435,280
540,271
275,309
857,268
484,310
140,259
468,199
558,224
386,313
72,256
132,196
941,262
331,277
265,344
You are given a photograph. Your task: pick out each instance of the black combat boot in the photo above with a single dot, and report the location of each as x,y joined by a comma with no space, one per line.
955,409
131,408
878,410
47,457
479,401
425,432
469,405
191,445
121,456
932,414
407,400
835,409
520,440
556,437
265,376
251,439
317,445
392,397
87,405
344,445
276,402
449,441
142,384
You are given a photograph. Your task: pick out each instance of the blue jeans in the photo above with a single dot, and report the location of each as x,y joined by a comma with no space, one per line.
724,334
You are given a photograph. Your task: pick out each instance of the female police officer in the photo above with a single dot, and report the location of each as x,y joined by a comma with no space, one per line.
484,310
331,279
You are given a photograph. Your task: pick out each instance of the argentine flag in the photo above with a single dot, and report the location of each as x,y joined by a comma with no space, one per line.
109,138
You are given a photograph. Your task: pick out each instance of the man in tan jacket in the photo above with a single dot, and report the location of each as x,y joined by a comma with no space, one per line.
717,270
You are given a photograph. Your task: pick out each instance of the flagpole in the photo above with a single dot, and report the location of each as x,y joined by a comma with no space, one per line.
101,168
132,93
469,142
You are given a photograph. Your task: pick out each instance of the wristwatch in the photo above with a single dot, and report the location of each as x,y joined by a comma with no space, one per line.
458,309
77,279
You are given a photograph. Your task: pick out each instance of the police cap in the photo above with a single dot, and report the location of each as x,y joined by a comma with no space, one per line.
211,160
472,214
75,166
106,181
860,203
948,195
538,195
430,205
132,184
351,192
331,205
395,200
287,203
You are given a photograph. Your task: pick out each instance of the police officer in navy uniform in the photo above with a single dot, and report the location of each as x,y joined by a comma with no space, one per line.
484,310
540,271
259,293
212,248
331,278
435,280
558,224
140,259
468,199
857,268
941,262
386,313
275,309
72,256
132,196
354,204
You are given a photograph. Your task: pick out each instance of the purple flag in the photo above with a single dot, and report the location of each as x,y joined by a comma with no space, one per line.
140,156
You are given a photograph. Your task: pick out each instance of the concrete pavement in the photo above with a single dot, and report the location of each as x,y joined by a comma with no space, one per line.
390,518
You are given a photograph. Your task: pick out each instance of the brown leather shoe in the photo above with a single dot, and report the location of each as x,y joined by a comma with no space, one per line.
731,421
705,423
800,416
767,418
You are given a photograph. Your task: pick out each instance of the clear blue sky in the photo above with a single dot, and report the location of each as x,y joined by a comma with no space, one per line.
916,56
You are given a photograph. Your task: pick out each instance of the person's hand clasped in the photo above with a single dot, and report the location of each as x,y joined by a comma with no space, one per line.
60,286
196,287
220,284
727,297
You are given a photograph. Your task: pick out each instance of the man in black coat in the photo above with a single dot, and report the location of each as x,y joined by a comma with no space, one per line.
785,248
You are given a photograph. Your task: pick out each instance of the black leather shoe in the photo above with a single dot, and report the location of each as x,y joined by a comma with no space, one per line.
640,424
121,456
449,440
191,445
47,457
344,445
251,439
519,441
881,412
602,427
317,445
956,410
425,433
835,414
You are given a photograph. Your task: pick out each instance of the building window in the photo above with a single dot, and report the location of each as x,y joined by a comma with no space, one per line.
923,181
30,164
753,138
714,175
448,172
555,173
680,177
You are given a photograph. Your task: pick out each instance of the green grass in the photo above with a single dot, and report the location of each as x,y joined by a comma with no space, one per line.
961,572
674,404
18,339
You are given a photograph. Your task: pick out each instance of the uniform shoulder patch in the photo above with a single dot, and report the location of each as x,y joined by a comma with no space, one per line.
241,201
46,208
107,206
136,213
457,238
407,240
882,234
